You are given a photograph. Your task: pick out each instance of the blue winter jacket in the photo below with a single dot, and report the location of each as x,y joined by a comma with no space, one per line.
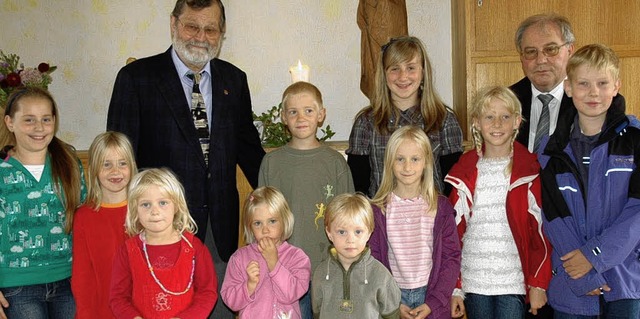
605,225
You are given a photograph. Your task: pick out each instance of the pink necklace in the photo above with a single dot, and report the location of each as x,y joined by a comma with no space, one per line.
193,267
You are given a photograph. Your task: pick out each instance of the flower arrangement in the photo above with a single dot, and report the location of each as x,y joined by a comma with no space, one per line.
14,75
274,133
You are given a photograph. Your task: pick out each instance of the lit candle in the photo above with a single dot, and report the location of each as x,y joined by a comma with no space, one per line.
299,72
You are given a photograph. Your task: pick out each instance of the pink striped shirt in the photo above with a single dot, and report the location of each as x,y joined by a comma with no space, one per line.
410,235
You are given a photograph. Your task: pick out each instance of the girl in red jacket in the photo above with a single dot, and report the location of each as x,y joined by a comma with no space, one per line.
163,271
496,193
111,165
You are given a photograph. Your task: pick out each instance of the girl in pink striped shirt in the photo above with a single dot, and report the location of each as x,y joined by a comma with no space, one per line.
415,231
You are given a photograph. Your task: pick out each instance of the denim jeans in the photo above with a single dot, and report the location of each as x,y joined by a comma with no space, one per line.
413,298
619,309
43,301
305,304
496,307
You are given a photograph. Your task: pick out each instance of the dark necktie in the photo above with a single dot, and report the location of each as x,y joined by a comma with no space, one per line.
199,113
543,122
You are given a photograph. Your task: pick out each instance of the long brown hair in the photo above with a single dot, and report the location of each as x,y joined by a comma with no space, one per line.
65,166
432,107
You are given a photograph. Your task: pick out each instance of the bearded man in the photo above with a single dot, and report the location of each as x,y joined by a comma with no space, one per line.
199,131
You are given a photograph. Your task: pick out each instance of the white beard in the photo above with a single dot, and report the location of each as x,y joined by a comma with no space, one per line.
194,56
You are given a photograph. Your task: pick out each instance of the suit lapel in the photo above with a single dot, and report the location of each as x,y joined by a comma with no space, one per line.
218,93
170,87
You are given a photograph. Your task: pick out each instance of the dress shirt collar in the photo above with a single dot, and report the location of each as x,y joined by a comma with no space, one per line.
182,68
557,92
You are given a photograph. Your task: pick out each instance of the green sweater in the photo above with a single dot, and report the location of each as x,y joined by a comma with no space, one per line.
34,248
366,290
308,179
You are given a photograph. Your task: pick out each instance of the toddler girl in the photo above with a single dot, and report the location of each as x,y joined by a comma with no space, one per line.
163,271
415,232
111,165
266,278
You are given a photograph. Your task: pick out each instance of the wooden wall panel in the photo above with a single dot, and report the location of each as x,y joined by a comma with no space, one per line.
484,51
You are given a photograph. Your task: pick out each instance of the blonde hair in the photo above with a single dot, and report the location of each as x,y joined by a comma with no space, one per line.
428,188
302,87
397,51
168,184
276,204
597,56
102,144
481,104
348,207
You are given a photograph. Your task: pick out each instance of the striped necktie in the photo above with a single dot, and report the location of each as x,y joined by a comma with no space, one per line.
543,123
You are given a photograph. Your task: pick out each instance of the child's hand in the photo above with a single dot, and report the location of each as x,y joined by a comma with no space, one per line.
269,250
537,298
457,307
5,304
599,291
404,312
253,272
420,312
576,264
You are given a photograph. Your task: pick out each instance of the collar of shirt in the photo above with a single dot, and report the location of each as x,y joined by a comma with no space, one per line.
410,116
187,84
536,110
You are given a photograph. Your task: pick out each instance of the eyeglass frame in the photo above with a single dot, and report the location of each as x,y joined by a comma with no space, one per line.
193,29
545,51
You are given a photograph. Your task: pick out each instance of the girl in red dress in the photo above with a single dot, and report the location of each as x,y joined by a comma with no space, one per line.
163,271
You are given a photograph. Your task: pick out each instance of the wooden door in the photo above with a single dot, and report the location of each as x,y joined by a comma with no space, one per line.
484,51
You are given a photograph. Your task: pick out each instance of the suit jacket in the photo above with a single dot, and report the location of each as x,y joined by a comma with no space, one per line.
148,104
522,89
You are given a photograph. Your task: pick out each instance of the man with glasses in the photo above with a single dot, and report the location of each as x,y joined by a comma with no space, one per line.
187,110
545,43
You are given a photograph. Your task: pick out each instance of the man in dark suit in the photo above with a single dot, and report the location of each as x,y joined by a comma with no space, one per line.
545,43
151,104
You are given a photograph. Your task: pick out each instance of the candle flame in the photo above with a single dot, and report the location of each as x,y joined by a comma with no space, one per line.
299,65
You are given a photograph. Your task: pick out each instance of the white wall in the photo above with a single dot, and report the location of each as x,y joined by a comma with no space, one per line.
90,40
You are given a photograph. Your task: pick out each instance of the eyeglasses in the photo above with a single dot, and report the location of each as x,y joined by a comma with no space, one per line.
192,29
548,51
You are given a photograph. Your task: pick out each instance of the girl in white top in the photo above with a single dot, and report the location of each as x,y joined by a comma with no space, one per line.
496,195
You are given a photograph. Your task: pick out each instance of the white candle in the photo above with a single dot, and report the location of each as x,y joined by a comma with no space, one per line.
299,72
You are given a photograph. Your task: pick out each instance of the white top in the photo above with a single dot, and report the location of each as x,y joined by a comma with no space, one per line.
490,260
410,235
536,110
35,170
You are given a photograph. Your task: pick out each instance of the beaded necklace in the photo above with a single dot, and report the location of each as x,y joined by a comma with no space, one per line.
193,267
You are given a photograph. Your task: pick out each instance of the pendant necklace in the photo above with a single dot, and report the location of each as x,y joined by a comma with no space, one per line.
193,267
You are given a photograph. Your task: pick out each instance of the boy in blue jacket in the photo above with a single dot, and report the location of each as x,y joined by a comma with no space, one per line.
591,195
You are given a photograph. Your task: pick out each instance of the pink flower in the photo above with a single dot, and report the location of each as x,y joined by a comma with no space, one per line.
31,76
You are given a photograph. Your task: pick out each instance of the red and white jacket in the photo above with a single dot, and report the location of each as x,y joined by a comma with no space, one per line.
523,210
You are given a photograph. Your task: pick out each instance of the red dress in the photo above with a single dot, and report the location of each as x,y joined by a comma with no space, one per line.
135,292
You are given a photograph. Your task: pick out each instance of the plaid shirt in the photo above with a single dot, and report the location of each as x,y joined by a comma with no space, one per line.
366,140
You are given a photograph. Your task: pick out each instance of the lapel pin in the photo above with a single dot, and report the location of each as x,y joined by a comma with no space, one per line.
226,92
